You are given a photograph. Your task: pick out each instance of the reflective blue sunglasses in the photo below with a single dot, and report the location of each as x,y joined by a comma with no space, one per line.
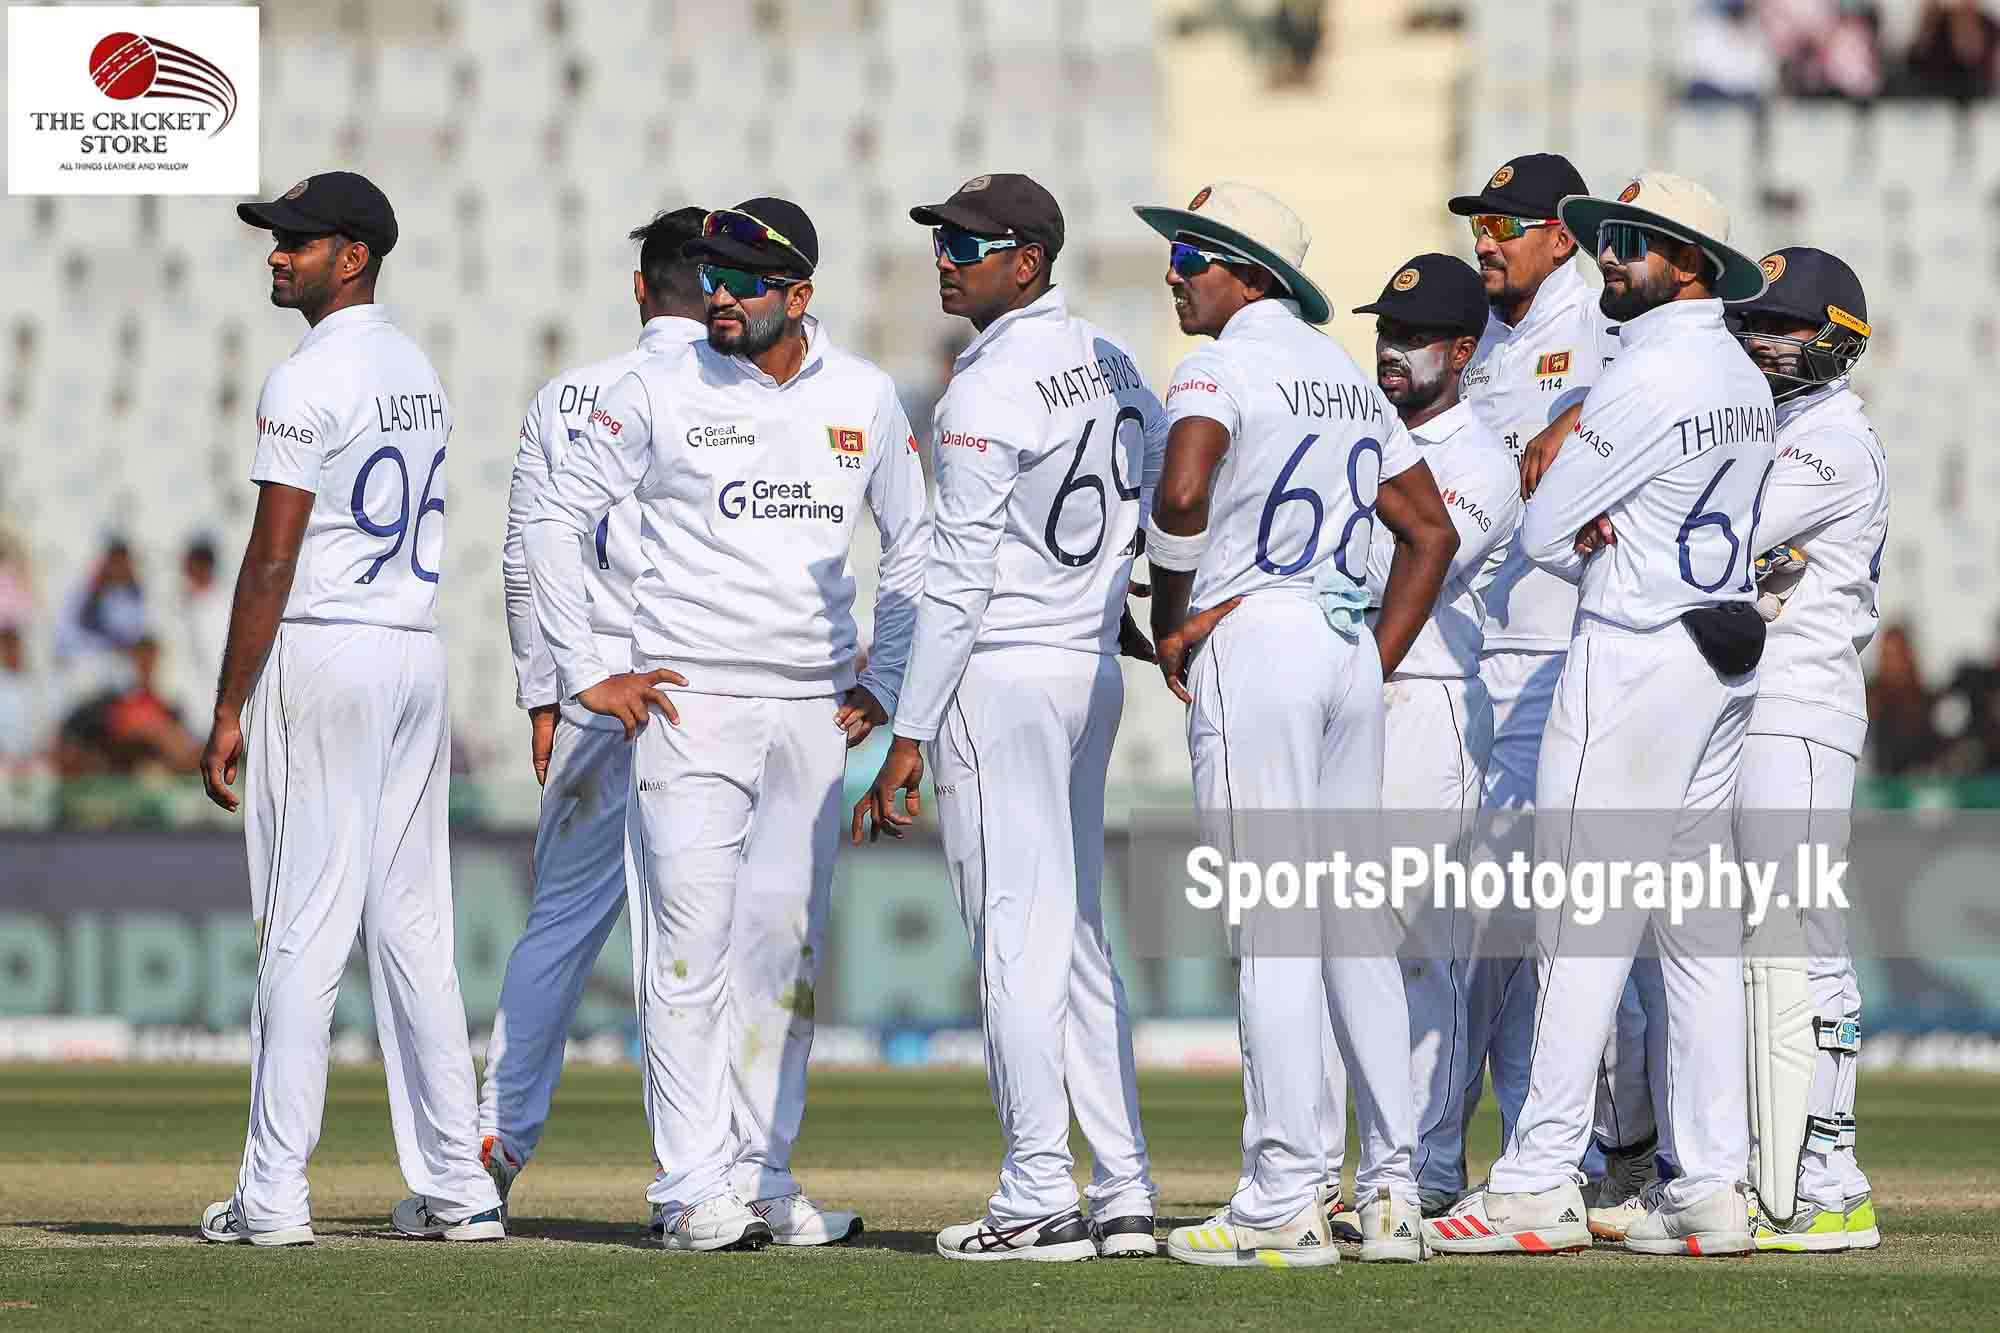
963,247
1188,260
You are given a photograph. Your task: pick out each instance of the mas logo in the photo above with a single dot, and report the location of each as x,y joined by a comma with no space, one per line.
129,100
846,440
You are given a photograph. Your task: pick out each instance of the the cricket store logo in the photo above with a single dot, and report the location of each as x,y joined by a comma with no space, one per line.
791,501
126,100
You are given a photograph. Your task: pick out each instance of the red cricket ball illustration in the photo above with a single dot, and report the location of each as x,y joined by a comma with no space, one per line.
123,65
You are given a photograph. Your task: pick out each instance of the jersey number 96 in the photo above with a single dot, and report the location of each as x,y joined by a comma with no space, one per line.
402,525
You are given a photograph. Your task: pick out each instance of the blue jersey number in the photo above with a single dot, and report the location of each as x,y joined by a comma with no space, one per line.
1716,519
1089,481
401,526
1282,494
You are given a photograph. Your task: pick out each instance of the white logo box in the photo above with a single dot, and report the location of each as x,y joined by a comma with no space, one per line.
132,99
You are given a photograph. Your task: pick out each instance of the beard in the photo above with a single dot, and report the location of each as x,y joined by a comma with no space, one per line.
1645,288
757,334
1424,370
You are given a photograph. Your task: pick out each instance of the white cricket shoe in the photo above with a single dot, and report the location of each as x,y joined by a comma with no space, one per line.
221,1223
1621,1197
796,1220
1863,1233
722,1223
1391,1231
1484,1222
1058,1238
413,1217
1125,1236
1716,1223
501,1165
1299,1242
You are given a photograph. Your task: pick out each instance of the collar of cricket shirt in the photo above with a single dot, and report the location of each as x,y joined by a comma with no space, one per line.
1444,425
1675,319
347,317
1561,290
1805,402
671,331
1051,304
1269,310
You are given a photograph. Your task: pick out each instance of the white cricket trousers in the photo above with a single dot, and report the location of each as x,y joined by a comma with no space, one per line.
1521,685
1019,770
1287,715
1438,735
346,773
581,864
1792,773
1641,723
736,821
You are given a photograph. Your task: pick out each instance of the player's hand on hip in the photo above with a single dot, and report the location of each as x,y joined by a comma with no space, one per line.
630,697
542,726
860,713
1132,641
902,770
1176,648
1595,535
221,758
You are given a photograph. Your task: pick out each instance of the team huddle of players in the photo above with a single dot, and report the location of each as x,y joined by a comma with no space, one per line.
1562,550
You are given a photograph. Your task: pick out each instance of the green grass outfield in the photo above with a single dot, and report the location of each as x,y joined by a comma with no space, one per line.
103,1172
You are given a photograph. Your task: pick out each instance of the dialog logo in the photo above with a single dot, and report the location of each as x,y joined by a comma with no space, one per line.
131,100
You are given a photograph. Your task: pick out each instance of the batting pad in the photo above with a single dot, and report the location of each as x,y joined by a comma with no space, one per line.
1782,1051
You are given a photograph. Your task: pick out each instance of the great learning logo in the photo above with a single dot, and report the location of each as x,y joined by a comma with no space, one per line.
118,100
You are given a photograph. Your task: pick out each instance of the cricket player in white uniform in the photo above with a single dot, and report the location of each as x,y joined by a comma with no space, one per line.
1048,444
752,455
1438,725
332,705
1545,343
581,759
1280,457
1651,505
1827,507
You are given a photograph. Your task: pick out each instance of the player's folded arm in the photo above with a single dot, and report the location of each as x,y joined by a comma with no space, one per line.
1613,451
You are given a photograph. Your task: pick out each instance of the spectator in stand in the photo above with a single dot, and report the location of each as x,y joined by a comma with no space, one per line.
1955,51
22,716
1901,737
1725,56
1825,48
204,628
1972,702
128,731
107,613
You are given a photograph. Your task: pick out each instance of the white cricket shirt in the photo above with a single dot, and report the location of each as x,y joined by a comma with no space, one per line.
559,413
356,415
1523,377
1674,446
1048,445
1829,496
1311,438
748,494
1480,485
